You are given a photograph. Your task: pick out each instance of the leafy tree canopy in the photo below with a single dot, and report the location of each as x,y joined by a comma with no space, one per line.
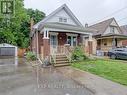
15,30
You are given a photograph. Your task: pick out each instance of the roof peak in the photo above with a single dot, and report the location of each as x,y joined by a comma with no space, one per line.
65,7
103,21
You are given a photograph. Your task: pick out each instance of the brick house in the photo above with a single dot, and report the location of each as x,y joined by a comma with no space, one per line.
58,31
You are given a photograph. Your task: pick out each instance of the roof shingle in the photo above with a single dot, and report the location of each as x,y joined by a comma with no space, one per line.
101,26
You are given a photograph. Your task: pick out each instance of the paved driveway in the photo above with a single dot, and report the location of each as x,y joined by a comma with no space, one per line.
22,80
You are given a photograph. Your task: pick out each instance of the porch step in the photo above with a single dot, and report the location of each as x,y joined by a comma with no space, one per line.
61,65
61,60
60,56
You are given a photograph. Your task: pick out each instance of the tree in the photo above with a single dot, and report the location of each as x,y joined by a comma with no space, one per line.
35,14
15,30
10,27
25,25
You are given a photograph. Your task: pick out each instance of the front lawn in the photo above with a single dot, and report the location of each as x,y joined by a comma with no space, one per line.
114,70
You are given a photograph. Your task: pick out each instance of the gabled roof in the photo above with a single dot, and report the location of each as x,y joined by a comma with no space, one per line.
64,6
124,29
101,26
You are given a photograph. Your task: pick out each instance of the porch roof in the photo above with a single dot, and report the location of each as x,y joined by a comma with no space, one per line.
62,26
110,35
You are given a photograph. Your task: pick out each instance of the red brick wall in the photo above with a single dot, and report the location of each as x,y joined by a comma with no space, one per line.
46,48
62,38
34,42
40,42
124,43
78,39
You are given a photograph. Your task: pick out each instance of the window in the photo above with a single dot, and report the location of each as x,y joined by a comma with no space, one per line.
69,40
112,29
65,20
53,40
72,40
119,50
62,19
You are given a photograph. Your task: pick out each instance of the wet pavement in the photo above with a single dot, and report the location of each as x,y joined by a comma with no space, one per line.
26,80
96,84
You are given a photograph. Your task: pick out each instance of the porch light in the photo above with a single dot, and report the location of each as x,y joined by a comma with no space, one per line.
60,38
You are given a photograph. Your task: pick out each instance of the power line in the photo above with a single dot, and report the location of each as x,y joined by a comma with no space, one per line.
111,14
122,19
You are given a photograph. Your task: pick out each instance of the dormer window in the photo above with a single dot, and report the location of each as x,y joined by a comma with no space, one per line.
62,19
112,29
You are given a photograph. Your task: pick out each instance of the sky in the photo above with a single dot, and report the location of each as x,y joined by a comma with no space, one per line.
87,11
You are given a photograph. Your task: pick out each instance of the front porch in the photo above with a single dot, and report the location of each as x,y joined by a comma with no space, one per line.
61,41
58,46
105,43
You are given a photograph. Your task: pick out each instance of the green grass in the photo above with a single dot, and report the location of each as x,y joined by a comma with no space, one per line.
115,70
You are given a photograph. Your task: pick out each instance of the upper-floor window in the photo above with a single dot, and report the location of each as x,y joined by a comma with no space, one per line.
112,29
62,19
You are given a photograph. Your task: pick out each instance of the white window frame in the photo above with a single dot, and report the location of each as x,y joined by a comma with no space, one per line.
112,29
72,35
54,34
63,20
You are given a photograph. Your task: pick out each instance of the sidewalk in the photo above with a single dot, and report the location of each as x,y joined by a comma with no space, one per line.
98,85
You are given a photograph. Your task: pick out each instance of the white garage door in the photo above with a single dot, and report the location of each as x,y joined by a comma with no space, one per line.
7,51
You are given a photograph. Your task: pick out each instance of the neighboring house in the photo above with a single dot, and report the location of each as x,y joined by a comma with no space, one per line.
108,35
58,30
124,30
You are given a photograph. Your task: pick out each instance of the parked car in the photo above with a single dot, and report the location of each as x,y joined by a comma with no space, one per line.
118,53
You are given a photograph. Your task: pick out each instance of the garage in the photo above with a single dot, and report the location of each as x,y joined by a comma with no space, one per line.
8,54
7,51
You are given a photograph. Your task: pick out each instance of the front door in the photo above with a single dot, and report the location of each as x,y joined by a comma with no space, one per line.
53,44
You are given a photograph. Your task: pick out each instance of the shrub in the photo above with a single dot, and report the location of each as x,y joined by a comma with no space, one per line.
78,54
31,56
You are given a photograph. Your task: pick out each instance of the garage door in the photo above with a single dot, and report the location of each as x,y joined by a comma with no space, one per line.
7,51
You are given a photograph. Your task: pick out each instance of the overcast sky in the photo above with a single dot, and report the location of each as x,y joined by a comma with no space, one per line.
87,11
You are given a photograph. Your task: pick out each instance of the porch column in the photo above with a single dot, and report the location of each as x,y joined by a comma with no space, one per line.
46,44
113,42
90,44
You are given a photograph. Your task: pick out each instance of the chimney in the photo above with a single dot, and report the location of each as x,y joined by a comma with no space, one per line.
86,25
31,23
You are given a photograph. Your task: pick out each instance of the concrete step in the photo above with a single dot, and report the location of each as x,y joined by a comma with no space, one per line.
61,62
60,55
61,59
61,65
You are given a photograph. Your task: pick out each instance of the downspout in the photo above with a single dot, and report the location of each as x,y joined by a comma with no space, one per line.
37,44
38,48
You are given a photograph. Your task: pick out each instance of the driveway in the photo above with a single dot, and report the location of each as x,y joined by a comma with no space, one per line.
99,85
22,80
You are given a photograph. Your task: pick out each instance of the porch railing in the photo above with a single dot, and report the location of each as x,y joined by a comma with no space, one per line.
56,50
68,52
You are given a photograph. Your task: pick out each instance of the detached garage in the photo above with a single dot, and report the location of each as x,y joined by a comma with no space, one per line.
8,50
8,54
